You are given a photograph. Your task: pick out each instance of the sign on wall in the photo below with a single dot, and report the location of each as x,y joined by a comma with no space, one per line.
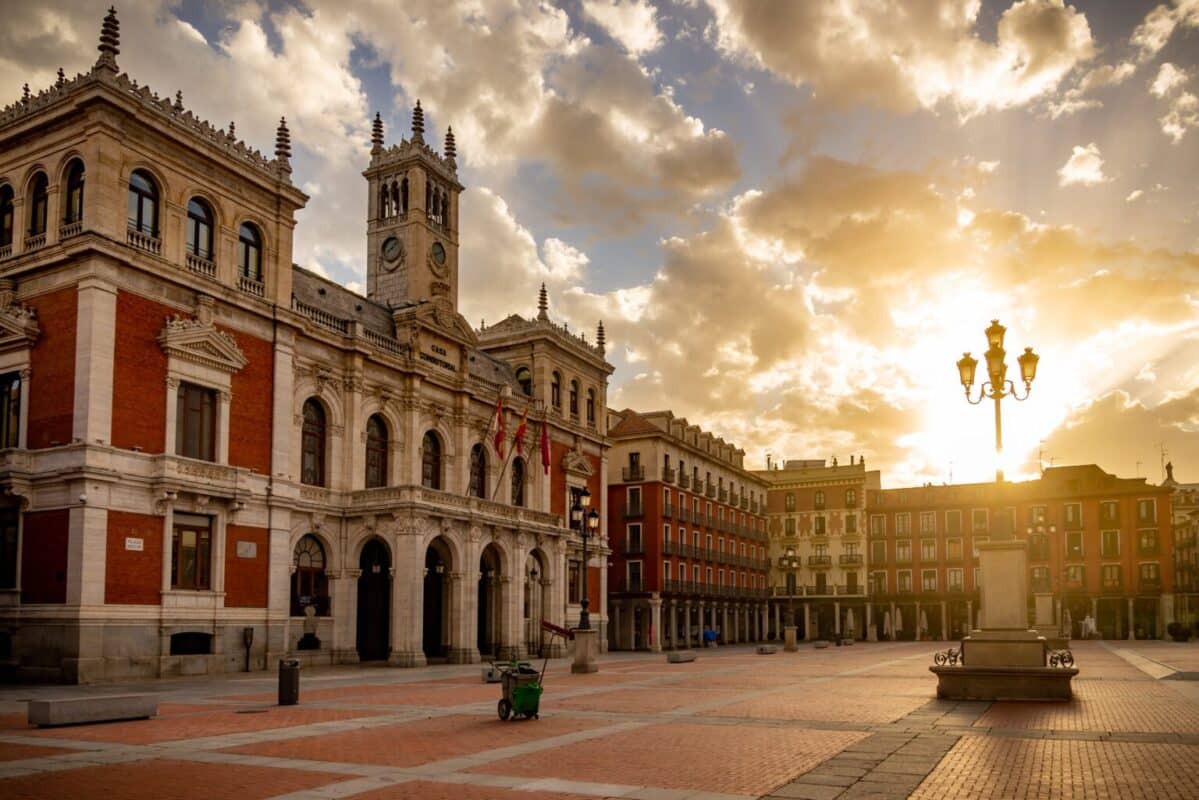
247,549
135,544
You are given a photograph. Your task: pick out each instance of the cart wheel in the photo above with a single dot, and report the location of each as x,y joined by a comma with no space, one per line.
504,709
536,716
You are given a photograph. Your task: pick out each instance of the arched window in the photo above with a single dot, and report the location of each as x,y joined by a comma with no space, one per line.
39,201
574,398
525,378
404,196
309,585
556,390
591,406
428,198
385,201
249,252
376,452
73,208
6,215
478,472
312,445
143,204
199,229
518,481
430,461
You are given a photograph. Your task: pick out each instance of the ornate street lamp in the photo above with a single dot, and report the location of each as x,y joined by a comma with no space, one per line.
587,524
790,562
997,386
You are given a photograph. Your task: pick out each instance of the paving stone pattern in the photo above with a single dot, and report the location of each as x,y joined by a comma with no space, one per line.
856,722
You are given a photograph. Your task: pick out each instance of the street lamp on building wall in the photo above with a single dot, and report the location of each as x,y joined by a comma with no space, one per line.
997,386
587,524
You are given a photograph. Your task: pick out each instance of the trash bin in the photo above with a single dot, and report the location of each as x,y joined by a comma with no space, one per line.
289,681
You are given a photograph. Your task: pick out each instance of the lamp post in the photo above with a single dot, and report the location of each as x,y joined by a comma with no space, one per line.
1045,617
997,387
790,562
587,524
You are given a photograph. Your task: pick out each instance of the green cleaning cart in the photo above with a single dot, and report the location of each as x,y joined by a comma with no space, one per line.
522,690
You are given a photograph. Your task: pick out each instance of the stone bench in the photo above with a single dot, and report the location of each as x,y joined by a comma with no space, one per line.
680,656
846,642
767,649
820,644
100,708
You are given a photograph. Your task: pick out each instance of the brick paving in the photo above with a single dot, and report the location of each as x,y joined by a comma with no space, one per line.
841,723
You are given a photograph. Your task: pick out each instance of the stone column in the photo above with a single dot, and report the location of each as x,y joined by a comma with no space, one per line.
687,624
807,622
655,626
95,342
969,616
674,625
944,622
871,634
778,625
617,630
512,644
407,601
727,634
703,621
1132,620
837,618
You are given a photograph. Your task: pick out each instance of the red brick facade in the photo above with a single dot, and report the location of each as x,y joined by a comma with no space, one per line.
52,363
44,556
250,414
246,579
133,576
139,390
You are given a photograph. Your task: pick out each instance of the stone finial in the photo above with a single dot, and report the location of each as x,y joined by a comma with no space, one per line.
283,144
600,340
377,133
543,304
451,148
110,41
232,130
25,94
418,124
62,77
179,101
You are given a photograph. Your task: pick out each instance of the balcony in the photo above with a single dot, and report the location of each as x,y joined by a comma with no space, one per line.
632,473
671,548
251,286
1112,587
667,511
35,241
143,241
1149,586
200,265
633,510
820,562
684,514
957,588
722,495
744,503
69,229
5,250
709,489
850,559
669,474
635,547
684,481
634,585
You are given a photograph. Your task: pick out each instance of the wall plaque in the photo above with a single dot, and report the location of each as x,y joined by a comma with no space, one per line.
247,549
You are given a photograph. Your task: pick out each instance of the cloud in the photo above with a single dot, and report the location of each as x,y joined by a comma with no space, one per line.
906,56
1159,24
1083,168
1133,196
633,23
1169,78
1182,113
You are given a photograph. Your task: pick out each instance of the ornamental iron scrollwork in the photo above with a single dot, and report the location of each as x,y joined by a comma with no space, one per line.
1061,658
949,657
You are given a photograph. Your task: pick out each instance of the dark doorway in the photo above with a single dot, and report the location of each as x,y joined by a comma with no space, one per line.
374,602
489,605
433,636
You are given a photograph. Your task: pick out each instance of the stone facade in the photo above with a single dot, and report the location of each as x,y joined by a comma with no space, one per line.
208,443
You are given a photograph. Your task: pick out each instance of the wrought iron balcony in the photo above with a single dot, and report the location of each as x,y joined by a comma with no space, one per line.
632,473
634,547
820,561
633,510
709,489
669,474
1112,586
667,511
684,480
850,559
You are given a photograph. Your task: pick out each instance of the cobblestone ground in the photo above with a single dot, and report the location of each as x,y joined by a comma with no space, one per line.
848,723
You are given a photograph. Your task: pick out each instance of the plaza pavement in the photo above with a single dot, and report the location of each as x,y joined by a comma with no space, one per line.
849,722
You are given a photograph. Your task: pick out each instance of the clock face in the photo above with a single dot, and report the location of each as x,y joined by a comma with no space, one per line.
437,259
393,252
438,253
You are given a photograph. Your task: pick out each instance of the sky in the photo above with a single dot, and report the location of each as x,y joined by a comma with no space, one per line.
792,217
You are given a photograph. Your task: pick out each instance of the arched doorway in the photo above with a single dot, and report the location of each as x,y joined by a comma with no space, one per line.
435,627
489,603
535,601
374,602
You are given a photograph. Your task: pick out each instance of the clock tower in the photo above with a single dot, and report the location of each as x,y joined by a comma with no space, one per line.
412,219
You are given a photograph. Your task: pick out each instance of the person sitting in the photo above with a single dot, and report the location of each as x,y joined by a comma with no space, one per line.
709,637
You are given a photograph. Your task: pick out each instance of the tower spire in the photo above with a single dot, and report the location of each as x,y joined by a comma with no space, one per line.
418,124
377,133
600,340
451,148
110,41
543,304
283,145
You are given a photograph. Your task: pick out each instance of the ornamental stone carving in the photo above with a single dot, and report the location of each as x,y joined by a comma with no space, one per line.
201,343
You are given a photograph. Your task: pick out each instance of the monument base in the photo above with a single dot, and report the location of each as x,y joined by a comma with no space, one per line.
790,644
1004,683
1004,647
585,649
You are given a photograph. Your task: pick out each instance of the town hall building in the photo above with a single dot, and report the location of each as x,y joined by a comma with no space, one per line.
213,458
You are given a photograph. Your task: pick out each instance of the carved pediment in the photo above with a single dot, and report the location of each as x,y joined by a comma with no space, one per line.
441,317
201,343
18,326
576,463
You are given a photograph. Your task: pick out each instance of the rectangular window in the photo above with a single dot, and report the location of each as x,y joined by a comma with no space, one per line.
695,573
195,422
851,582
789,526
720,578
1147,543
878,525
878,582
1073,544
974,577
8,548
1040,579
1150,575
191,548
10,410
1109,512
1037,514
928,580
1146,511
953,521
1073,516
903,524
1038,547
878,551
928,522
905,580
666,570
573,594
1111,576
633,541
634,501
851,523
903,551
820,526
978,520
953,549
954,579
980,540
708,576
1076,577
928,549
634,584
821,550
1110,547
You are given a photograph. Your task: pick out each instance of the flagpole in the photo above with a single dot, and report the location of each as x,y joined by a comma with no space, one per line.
500,481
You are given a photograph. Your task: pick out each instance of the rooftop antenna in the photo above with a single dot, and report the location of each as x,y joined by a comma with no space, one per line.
1161,446
1138,468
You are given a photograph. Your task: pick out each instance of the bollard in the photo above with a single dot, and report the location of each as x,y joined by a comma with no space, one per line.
289,681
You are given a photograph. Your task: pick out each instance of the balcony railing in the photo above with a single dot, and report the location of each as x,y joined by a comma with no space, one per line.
200,265
744,503
143,241
753,506
684,481
5,250
710,489
1112,587
634,585
820,561
1150,586
669,474
668,511
251,286
635,547
684,514
35,241
957,588
632,473
723,495
633,510
850,559
69,229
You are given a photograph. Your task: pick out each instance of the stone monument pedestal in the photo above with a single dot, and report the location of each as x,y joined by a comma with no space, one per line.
586,646
790,643
1045,624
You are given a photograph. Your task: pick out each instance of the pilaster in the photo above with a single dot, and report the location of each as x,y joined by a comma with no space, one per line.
95,341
